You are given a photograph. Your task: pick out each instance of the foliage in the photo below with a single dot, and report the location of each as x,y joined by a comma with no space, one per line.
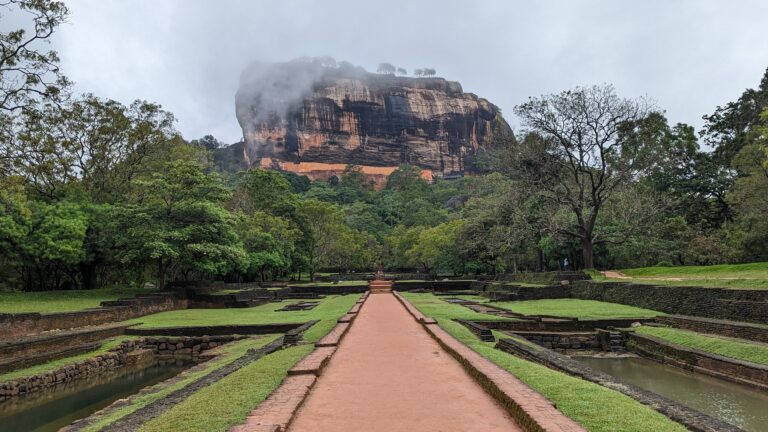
180,226
27,73
591,142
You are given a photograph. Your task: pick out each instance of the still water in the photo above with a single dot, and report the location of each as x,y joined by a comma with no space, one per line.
53,408
733,403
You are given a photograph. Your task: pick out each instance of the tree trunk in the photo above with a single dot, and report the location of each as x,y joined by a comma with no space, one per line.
160,274
588,252
539,260
88,272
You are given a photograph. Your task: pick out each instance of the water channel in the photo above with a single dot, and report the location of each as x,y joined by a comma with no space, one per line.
738,404
53,408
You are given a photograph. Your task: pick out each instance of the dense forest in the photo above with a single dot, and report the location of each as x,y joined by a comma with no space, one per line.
94,192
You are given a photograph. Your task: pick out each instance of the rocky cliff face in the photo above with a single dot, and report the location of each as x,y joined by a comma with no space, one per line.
311,119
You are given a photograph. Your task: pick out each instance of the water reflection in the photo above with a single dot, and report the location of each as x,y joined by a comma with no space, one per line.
733,403
53,408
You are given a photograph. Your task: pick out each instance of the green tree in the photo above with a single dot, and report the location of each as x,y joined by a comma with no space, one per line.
181,226
435,249
589,149
320,222
28,73
270,243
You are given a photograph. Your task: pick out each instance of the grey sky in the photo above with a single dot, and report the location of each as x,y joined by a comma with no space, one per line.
689,56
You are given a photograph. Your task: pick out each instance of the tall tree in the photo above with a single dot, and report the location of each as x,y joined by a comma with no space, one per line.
27,72
587,151
727,129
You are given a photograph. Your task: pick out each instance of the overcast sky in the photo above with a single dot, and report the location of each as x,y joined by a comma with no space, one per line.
689,56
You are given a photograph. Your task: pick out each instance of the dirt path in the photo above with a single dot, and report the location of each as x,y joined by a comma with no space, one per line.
389,375
614,274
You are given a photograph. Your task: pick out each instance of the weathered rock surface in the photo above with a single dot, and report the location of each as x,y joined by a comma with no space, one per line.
312,120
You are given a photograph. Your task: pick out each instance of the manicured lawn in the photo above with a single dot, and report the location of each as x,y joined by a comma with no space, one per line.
726,347
228,401
61,301
597,408
736,276
229,353
582,309
55,364
328,311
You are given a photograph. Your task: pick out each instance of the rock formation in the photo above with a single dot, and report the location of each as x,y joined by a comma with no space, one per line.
314,120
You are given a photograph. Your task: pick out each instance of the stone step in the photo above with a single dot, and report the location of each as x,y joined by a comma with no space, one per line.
314,362
333,338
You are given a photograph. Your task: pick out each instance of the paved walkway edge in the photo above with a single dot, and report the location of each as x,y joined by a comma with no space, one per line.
277,411
529,408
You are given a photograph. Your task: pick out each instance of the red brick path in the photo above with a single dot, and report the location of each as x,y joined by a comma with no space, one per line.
389,375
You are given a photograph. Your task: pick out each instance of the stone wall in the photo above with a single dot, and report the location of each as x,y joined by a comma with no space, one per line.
185,347
660,350
437,286
199,331
741,305
93,366
562,341
164,349
46,343
559,326
741,330
14,325
720,303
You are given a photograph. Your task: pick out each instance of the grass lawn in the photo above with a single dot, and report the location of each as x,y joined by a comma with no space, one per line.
727,347
582,309
229,353
736,276
62,301
228,401
597,408
328,311
55,364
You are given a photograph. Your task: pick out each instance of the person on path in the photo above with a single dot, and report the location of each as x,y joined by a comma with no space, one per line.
565,264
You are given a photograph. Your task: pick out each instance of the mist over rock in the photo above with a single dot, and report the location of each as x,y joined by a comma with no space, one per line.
312,118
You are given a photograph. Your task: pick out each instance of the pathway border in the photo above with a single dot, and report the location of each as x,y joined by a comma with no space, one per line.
529,408
277,411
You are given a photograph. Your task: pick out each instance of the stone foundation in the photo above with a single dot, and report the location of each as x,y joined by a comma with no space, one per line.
163,349
748,331
14,325
562,342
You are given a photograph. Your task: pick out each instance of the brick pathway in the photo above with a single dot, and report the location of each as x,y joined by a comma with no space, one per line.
389,375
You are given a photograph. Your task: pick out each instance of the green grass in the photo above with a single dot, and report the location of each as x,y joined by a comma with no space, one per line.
328,311
229,353
734,276
228,401
62,301
582,309
597,408
727,347
55,364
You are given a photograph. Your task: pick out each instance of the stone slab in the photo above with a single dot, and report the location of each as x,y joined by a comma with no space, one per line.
314,362
333,338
